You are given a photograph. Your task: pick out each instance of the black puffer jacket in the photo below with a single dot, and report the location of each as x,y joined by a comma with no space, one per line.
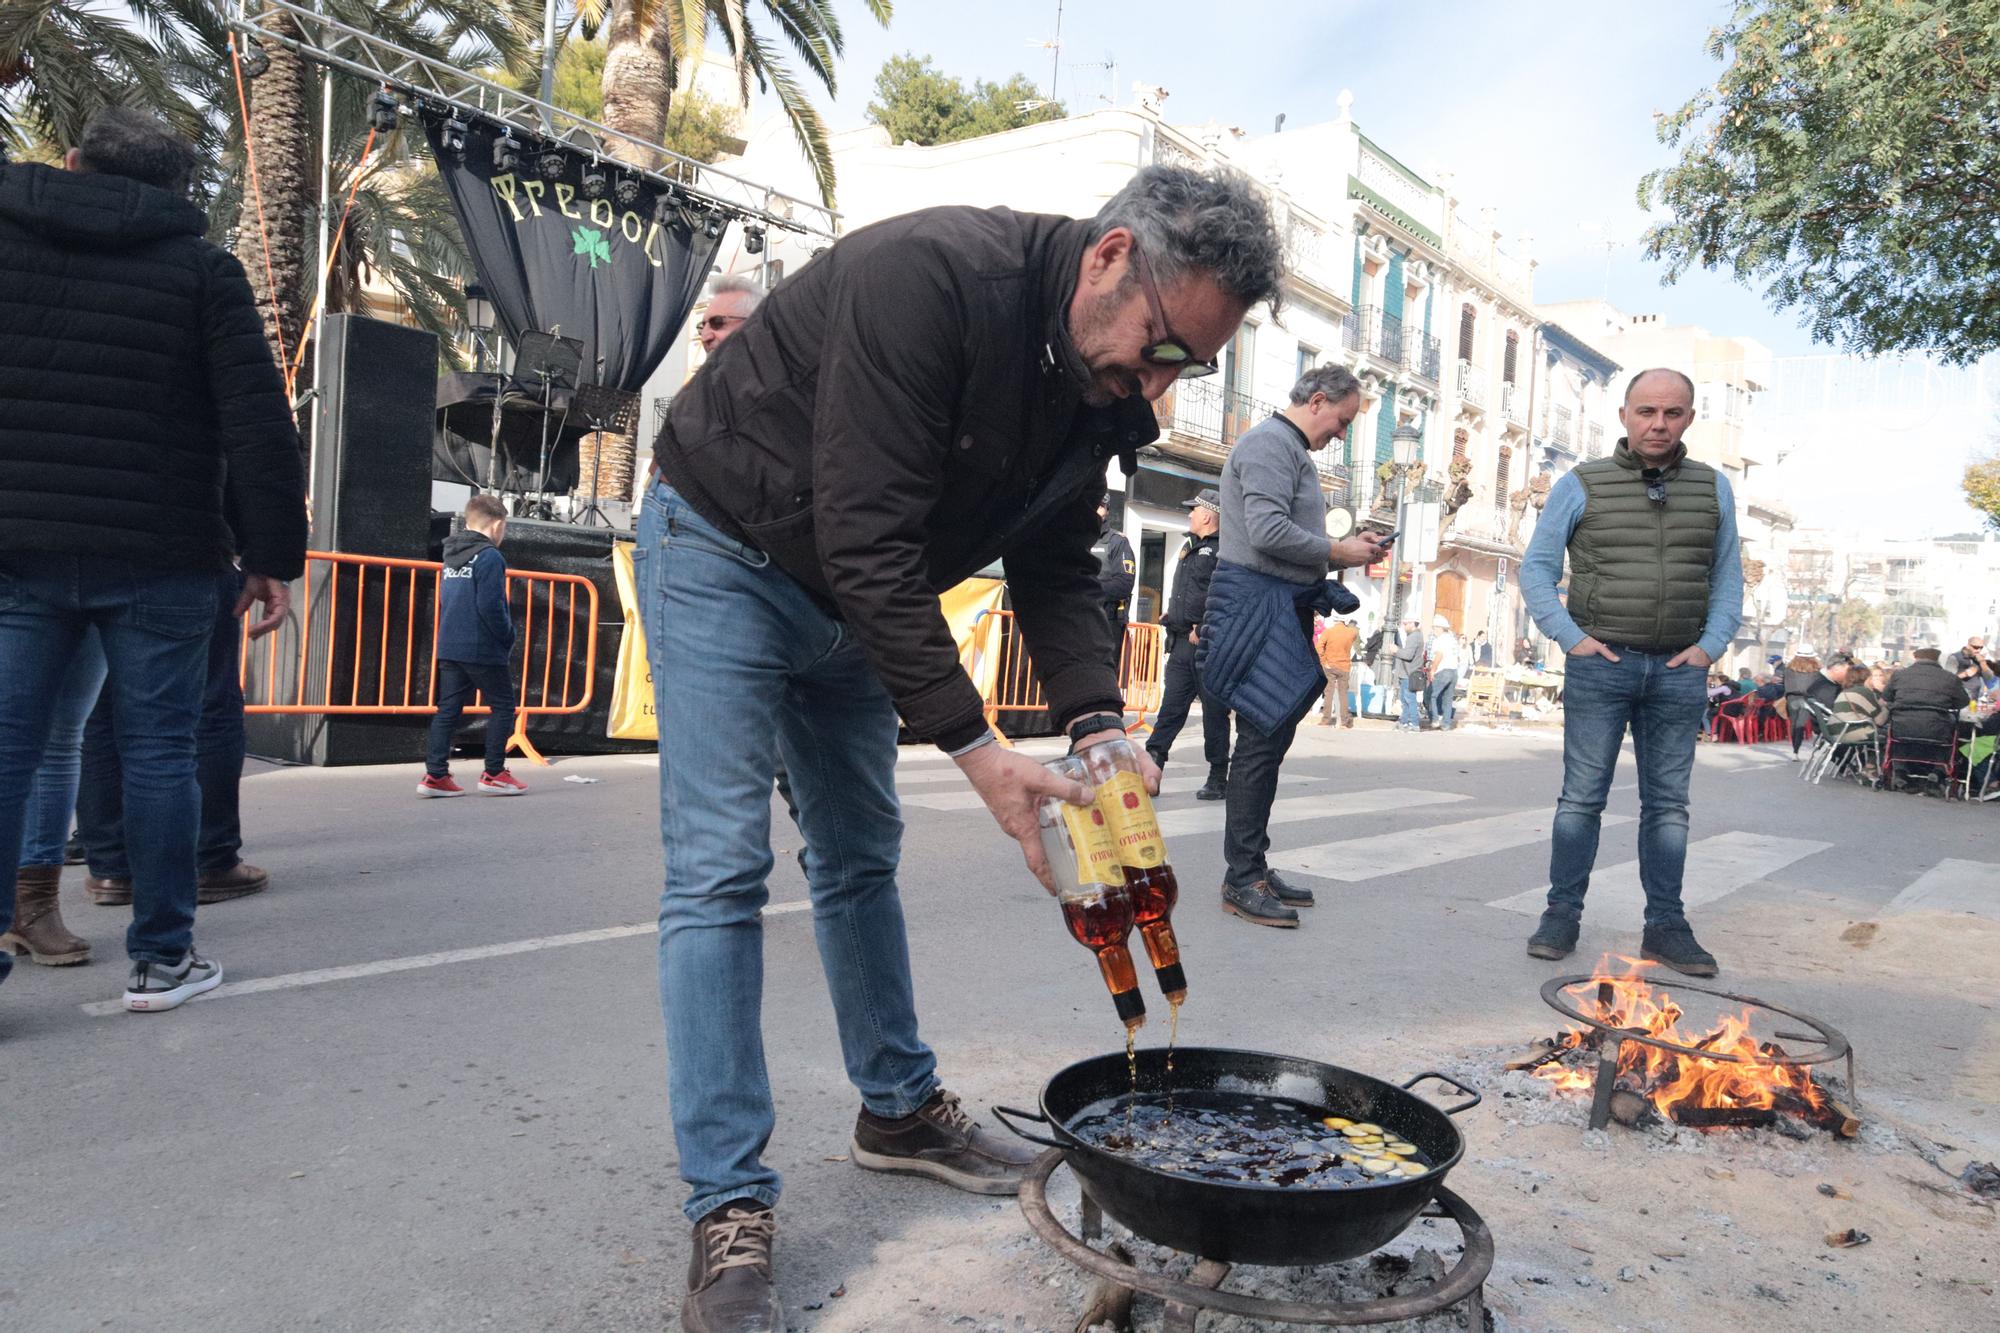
139,402
902,412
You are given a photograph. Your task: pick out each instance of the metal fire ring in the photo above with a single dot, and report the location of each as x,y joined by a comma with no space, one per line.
1185,1300
1836,1045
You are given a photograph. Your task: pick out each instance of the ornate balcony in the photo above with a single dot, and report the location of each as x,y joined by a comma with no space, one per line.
1471,385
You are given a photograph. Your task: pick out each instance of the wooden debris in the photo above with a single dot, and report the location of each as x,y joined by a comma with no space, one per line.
1841,1119
1109,1302
1540,1052
1848,1239
1630,1109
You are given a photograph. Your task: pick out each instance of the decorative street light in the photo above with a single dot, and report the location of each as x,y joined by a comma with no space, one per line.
1407,443
478,317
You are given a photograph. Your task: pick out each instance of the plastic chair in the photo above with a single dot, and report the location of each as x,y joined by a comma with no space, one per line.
1732,720
1918,751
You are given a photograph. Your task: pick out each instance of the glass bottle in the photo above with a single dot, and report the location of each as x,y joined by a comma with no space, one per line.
1090,888
1113,768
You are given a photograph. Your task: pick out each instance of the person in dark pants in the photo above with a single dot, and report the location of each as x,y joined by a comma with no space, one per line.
1274,524
219,748
475,641
1116,573
146,446
1183,683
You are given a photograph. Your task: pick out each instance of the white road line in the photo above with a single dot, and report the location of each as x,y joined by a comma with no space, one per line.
969,800
320,976
908,777
1716,867
1357,859
1326,805
1952,886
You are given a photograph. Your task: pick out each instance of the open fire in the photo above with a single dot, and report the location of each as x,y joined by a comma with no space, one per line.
1727,1077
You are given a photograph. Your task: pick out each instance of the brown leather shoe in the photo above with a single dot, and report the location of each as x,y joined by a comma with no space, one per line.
108,892
730,1286
239,881
940,1141
38,929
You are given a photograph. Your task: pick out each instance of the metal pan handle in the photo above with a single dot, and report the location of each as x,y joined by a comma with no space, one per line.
1001,1113
1446,1078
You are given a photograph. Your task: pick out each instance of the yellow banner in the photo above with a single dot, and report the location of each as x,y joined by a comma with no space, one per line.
632,719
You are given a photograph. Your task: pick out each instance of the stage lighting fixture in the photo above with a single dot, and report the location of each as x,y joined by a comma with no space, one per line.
593,181
382,112
452,137
753,240
252,57
627,189
506,152
552,164
713,225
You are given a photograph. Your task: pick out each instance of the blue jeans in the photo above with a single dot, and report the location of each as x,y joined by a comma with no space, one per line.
1411,703
219,746
457,682
154,625
52,795
1444,688
1663,708
749,669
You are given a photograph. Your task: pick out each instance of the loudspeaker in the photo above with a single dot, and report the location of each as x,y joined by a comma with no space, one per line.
372,470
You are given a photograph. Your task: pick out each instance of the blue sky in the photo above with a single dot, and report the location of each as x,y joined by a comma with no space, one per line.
1542,111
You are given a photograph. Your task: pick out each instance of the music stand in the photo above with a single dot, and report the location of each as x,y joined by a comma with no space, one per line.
607,410
554,361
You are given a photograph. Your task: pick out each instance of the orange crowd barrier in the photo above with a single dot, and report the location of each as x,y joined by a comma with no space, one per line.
999,664
361,641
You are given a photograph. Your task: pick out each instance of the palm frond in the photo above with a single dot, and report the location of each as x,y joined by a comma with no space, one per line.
807,126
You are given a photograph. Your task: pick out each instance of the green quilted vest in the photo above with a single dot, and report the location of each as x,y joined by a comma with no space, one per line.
1639,570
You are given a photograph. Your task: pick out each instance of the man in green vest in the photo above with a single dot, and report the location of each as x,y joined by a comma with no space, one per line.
1655,594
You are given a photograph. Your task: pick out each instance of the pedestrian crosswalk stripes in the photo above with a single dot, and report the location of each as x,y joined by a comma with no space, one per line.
1716,867
1326,805
969,800
1952,886
1354,859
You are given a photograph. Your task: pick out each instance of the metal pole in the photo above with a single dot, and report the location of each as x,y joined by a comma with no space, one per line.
325,240
548,57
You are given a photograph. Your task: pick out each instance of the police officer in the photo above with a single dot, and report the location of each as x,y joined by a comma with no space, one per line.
1116,570
1192,572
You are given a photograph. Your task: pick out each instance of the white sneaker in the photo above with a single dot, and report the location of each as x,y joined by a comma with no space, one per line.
157,986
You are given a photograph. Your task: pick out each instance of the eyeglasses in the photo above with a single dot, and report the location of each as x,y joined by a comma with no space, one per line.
718,323
1656,487
1169,350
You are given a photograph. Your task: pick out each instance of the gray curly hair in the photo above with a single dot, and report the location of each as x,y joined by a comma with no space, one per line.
1212,222
1336,382
123,141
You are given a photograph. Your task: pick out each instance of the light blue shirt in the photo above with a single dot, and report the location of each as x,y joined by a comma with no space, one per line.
1542,569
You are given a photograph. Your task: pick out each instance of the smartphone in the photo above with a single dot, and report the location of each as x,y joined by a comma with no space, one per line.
1390,540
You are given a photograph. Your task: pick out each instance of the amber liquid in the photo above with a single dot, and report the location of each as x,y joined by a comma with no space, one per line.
1102,925
1154,893
1173,1035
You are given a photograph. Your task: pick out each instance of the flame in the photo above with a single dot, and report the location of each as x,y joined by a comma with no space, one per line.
1665,1078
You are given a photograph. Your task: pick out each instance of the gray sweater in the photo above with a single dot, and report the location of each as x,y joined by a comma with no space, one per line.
1273,511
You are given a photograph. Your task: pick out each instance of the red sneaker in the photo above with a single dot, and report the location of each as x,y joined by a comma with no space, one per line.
443,786
502,783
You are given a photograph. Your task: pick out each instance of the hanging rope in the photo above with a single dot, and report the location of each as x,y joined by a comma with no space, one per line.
257,195
332,258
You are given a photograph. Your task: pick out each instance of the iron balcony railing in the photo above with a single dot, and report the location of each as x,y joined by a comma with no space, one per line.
1471,385
1422,355
1386,337
1514,404
1216,415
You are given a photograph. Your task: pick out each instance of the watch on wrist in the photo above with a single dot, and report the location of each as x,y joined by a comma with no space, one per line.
1093,723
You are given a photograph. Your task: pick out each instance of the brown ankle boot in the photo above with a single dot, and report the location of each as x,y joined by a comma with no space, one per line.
108,892
38,930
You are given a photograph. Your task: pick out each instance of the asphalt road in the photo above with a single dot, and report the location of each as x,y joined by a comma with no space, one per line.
432,1095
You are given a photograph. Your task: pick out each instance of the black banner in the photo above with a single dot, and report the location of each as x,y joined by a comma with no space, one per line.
621,275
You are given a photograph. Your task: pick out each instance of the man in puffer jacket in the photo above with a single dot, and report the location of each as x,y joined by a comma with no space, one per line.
139,404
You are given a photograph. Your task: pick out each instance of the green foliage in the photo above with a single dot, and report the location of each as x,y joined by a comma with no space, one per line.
918,104
1848,157
1856,623
579,82
1982,487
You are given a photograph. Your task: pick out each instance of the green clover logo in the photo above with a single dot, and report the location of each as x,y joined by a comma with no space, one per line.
590,242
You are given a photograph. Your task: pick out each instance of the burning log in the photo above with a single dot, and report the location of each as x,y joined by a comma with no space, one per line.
1540,1053
1628,1108
1725,1117
1840,1118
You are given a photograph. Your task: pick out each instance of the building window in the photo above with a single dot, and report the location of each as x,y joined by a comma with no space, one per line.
1513,354
1501,478
1468,321
1459,441
1596,440
1564,417
1308,358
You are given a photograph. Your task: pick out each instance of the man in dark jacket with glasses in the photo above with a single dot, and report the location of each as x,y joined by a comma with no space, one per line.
933,393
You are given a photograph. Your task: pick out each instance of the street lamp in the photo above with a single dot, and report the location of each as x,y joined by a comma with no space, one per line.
479,318
1407,442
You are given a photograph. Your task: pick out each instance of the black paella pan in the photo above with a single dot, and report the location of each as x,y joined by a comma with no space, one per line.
1242,1222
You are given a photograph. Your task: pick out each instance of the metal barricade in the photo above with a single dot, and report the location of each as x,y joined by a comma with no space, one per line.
1000,666
361,641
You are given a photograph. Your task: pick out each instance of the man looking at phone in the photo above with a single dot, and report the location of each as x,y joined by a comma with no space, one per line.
1655,594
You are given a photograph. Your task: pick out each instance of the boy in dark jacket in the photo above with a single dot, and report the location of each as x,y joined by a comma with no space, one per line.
475,639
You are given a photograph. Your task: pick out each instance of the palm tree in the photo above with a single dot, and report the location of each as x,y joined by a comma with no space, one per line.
62,61
651,44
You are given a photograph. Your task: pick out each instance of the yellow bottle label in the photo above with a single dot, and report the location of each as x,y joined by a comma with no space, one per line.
1126,805
1096,853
